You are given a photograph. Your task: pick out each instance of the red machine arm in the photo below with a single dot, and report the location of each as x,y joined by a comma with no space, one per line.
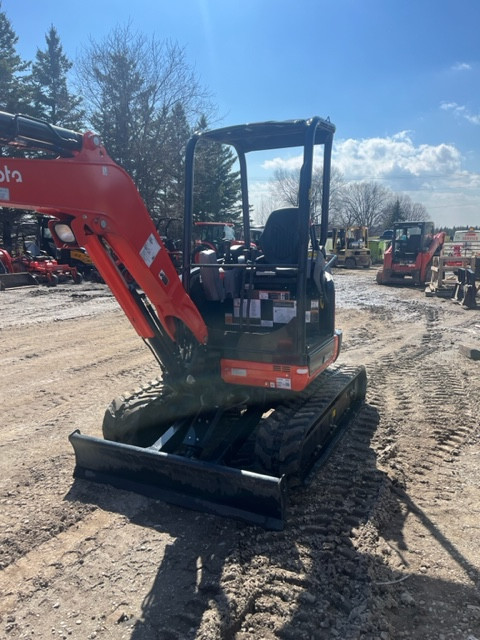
99,201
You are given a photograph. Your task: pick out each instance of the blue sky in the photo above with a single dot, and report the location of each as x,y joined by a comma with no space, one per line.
400,79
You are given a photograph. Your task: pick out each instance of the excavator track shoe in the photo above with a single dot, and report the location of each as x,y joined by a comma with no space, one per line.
299,436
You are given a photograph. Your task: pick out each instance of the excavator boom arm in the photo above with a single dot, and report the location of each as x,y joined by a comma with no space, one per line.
91,194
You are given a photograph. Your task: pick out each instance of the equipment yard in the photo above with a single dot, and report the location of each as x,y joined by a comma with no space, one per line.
383,544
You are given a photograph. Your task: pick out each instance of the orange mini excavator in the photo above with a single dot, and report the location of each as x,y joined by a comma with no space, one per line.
246,401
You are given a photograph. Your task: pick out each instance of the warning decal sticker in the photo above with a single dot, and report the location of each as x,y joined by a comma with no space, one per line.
150,250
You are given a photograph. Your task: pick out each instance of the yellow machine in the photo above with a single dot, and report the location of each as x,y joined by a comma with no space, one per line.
350,245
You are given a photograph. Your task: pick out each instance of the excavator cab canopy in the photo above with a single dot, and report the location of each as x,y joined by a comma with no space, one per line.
262,136
265,136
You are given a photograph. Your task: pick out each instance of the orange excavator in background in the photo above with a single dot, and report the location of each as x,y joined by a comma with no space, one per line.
408,260
247,401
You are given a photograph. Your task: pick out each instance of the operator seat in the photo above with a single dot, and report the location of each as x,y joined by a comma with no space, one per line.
413,244
212,285
280,237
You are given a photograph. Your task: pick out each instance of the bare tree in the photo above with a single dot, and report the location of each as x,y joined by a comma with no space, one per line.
139,74
400,208
357,203
284,187
363,203
132,88
337,185
284,190
263,209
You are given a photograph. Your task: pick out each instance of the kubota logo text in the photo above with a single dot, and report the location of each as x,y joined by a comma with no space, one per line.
10,176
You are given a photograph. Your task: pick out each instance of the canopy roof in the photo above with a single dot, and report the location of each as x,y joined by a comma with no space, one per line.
271,135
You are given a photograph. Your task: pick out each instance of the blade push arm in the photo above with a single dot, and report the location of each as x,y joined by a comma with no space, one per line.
99,201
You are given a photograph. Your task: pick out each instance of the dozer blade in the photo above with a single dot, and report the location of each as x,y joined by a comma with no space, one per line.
11,280
226,491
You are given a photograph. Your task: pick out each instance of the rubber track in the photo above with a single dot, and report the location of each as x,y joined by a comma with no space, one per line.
280,442
279,439
128,414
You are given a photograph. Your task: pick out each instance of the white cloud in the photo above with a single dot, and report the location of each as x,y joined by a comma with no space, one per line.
450,207
395,158
461,66
432,175
288,164
461,111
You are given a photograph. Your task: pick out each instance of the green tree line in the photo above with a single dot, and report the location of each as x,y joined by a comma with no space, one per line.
145,101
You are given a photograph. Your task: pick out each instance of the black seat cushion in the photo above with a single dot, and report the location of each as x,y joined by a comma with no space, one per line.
280,238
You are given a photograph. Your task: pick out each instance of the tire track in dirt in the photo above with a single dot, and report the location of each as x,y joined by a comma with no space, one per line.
421,435
99,362
390,382
316,579
42,405
25,531
25,570
34,306
289,573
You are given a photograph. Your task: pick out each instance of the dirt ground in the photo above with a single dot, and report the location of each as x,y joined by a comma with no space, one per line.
383,544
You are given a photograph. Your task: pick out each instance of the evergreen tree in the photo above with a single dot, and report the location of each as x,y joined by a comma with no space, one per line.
51,98
217,184
121,104
393,214
401,208
14,97
172,164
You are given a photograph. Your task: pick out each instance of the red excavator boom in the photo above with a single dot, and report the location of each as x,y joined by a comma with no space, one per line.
95,204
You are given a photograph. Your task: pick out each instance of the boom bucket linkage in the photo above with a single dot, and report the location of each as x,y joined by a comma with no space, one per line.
247,402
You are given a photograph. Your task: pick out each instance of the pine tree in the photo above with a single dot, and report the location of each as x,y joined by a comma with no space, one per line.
393,213
172,163
13,89
51,98
121,104
14,98
217,184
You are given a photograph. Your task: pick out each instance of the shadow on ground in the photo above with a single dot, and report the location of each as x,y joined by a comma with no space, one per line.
320,578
